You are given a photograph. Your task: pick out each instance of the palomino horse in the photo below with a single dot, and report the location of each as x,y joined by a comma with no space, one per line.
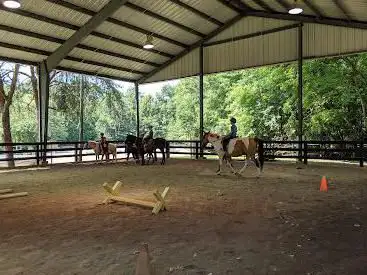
135,146
97,150
237,147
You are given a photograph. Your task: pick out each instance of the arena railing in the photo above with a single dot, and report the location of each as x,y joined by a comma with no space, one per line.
27,154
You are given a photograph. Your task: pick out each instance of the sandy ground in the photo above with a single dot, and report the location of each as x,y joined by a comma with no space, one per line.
278,224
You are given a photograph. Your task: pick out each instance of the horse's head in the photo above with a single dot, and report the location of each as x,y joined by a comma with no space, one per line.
209,137
91,144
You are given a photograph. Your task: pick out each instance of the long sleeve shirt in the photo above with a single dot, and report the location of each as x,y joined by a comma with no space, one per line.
233,132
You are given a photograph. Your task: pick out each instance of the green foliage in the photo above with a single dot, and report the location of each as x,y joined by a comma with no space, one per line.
264,101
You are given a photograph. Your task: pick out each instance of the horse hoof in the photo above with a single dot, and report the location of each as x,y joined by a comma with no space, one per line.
218,173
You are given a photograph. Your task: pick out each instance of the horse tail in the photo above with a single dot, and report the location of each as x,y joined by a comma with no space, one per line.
260,151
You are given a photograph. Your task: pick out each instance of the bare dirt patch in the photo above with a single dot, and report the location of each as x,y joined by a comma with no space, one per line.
278,224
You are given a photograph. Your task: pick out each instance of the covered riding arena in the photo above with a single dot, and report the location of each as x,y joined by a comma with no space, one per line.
278,223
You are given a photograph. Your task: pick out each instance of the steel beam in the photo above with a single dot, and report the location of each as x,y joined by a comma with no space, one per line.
201,98
81,116
117,22
195,11
264,5
228,5
18,61
251,35
61,68
80,46
342,8
300,91
239,4
95,74
310,19
76,59
193,46
284,4
55,58
74,27
137,109
164,19
313,7
43,103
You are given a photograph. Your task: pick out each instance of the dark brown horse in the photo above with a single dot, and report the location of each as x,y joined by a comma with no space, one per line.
135,146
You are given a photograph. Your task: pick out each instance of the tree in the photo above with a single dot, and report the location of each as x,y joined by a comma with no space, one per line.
8,81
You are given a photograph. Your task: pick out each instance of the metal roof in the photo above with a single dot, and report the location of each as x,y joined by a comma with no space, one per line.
235,33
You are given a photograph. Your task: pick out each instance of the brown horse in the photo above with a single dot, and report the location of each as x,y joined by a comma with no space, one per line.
237,147
136,146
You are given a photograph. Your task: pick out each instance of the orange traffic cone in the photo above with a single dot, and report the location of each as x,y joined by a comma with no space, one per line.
323,185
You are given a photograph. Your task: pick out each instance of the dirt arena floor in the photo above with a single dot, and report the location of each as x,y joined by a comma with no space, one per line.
277,224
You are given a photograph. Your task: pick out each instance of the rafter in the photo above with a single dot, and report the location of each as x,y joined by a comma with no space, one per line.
197,12
313,7
194,46
164,19
61,68
284,4
239,4
341,6
117,22
264,5
310,19
80,46
70,58
251,35
228,5
93,23
74,27
95,74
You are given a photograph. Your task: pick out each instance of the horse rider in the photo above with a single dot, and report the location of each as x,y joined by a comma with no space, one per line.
148,136
103,145
233,134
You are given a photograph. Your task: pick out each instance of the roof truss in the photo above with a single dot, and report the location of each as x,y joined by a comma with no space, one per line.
242,8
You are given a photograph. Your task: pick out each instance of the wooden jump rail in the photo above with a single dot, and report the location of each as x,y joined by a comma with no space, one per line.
113,193
8,193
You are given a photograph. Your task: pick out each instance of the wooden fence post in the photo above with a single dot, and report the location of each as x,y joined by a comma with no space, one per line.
76,152
305,153
361,160
167,149
38,154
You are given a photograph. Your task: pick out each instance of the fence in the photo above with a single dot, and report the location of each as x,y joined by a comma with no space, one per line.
26,154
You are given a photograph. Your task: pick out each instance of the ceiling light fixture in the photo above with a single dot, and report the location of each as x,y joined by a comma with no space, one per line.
295,8
11,4
149,42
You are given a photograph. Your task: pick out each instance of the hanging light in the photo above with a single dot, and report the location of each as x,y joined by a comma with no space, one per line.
149,42
295,8
11,4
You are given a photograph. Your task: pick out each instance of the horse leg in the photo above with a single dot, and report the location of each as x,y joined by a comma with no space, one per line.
244,167
257,163
231,166
220,166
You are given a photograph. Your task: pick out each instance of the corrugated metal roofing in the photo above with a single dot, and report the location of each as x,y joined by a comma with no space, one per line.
114,49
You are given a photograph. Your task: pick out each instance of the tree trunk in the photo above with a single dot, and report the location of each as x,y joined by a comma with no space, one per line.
7,138
5,103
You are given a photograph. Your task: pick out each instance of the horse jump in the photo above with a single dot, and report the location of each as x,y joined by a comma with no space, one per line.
237,147
9,193
113,195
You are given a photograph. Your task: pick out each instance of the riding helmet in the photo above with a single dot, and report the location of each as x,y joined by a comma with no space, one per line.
233,120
